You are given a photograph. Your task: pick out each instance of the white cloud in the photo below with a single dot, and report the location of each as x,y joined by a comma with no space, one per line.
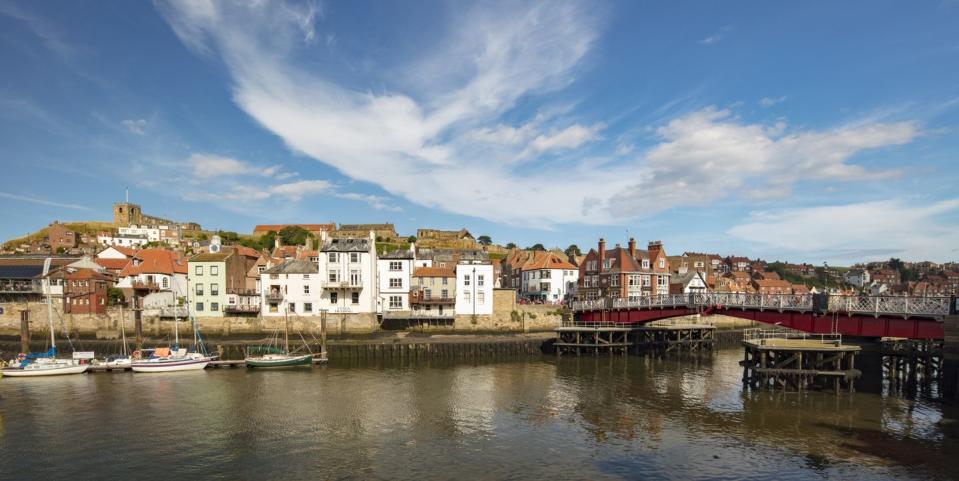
444,142
34,200
375,201
297,190
709,154
206,166
770,101
718,36
136,126
908,228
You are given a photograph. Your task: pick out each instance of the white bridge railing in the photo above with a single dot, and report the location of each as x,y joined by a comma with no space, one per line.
871,305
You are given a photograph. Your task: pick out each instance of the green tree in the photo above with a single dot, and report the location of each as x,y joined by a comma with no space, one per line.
537,247
895,264
510,245
228,237
484,240
411,239
573,250
115,296
293,235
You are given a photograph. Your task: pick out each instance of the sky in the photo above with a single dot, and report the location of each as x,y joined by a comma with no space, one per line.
805,131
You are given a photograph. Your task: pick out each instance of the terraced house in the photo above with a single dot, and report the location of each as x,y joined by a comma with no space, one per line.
624,272
218,286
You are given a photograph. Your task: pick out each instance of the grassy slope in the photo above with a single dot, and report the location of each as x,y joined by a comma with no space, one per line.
85,227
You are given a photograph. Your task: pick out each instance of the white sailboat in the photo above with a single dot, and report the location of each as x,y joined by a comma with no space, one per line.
123,360
46,364
171,360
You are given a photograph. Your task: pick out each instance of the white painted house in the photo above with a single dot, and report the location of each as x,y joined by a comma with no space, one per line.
394,271
547,276
348,268
474,289
293,287
858,277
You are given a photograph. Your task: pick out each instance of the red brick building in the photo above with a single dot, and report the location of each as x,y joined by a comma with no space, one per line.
624,272
772,286
85,291
59,237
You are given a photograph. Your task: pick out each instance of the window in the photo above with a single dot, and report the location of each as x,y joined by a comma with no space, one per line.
356,297
545,274
479,280
698,263
662,284
274,307
607,263
427,294
586,282
332,257
260,269
355,279
215,306
214,289
214,270
199,289
274,276
645,263
444,294
333,298
396,302
334,276
466,296
199,307
614,280
306,289
307,307
354,257
634,281
481,297
396,266
199,270
396,283
662,263
166,283
466,280
291,306
306,277
647,281
445,281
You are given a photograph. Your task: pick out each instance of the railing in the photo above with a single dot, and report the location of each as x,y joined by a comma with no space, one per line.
871,305
242,308
242,292
343,284
760,336
274,296
417,297
153,286
936,306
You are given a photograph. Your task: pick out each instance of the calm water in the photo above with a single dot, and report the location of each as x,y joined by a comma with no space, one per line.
582,418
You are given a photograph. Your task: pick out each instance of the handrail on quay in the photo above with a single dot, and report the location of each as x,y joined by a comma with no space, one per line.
906,306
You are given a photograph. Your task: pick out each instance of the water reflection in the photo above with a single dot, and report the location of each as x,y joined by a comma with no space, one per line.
569,418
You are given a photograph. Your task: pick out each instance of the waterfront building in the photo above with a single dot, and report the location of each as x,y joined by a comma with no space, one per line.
474,288
433,293
394,272
547,276
348,269
114,258
624,272
217,284
84,289
687,283
152,270
293,287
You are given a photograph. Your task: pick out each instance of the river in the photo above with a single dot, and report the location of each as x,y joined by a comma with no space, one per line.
539,418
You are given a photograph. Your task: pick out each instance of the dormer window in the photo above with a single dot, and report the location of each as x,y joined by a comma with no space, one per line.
645,263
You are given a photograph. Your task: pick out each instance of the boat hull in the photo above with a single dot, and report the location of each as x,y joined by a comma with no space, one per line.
255,362
49,371
171,365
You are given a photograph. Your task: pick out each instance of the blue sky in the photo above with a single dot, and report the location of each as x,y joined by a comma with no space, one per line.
806,131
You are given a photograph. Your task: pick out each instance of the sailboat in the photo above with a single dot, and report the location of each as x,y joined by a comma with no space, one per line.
170,359
270,356
45,364
123,360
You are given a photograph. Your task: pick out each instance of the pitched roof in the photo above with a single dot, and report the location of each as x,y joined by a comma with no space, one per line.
546,260
245,251
346,244
278,227
772,283
293,266
112,264
398,254
433,272
127,251
211,257
154,261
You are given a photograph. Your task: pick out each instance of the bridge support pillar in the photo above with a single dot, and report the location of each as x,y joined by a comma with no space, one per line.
950,360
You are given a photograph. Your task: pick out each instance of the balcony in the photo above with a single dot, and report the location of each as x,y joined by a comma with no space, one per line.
419,297
145,286
346,284
242,292
247,308
276,296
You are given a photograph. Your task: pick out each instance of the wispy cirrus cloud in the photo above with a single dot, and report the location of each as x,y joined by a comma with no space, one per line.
36,200
440,136
913,228
718,36
135,126
770,101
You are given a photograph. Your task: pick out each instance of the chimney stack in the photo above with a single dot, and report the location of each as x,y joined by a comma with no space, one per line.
632,247
602,252
655,248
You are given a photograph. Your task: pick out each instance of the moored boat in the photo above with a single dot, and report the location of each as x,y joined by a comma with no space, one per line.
279,360
163,360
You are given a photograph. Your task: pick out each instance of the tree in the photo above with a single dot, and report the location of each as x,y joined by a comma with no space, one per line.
228,237
484,240
573,250
293,235
511,246
537,247
116,296
895,264
411,239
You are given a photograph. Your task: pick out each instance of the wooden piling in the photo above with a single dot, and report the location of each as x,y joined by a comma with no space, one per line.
25,331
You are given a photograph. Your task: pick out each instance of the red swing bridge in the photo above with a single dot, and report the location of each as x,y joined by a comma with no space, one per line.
908,317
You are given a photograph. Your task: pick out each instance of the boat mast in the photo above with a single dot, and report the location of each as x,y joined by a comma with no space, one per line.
46,280
286,333
123,333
